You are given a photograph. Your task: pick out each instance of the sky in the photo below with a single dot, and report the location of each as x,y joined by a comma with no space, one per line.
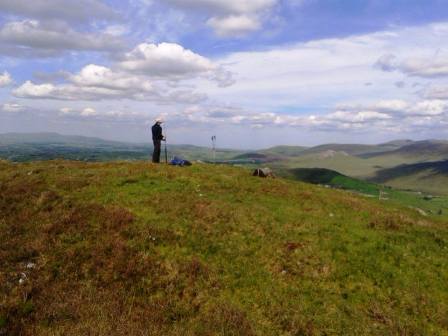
254,73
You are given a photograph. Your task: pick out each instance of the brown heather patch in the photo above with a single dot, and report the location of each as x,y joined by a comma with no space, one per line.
281,190
47,199
390,221
196,270
94,270
293,323
349,202
212,212
300,260
292,246
376,313
306,195
70,184
75,252
224,319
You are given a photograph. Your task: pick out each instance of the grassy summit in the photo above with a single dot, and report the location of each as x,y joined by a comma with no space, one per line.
138,249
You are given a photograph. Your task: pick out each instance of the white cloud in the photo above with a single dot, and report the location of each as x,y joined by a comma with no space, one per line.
392,105
31,90
437,92
110,115
165,59
117,30
12,107
429,108
435,66
397,109
378,117
357,116
226,6
88,112
234,25
66,110
95,82
318,73
79,10
70,91
387,62
388,106
96,76
5,79
172,61
148,73
32,37
316,77
230,18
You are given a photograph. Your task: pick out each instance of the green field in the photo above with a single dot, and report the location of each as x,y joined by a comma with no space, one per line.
138,249
332,178
418,201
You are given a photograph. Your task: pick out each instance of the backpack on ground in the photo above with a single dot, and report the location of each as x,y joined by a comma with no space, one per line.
176,161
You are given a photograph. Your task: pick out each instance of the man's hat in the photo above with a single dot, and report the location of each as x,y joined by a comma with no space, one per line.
159,120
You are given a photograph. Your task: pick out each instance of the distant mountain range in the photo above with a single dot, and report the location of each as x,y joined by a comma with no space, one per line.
418,165
405,164
46,146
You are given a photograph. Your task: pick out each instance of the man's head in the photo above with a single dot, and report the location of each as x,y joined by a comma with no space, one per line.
159,121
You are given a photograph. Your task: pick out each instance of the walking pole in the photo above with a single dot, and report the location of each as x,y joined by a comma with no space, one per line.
166,150
166,153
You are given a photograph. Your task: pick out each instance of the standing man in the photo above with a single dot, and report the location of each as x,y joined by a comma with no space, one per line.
157,138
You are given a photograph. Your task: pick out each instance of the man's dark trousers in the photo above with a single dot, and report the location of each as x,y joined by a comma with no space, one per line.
157,149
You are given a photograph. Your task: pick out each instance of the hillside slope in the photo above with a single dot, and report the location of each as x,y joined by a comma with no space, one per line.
285,151
354,149
339,161
137,249
334,179
418,151
426,176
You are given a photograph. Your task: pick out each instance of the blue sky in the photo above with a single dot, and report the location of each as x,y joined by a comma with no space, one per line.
255,73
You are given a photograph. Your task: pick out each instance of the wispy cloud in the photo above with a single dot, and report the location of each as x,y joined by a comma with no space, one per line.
34,38
75,11
229,18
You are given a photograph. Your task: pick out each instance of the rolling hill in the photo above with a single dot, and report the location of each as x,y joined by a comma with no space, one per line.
134,248
356,149
418,166
339,161
425,176
55,138
256,157
334,179
367,162
284,151
419,151
48,146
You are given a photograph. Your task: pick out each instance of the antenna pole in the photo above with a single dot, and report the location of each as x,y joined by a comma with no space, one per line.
214,148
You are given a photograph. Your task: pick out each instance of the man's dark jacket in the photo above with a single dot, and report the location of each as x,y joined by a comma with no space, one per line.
157,138
157,132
